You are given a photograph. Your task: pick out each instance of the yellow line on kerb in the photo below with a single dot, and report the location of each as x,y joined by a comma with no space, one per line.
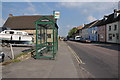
76,56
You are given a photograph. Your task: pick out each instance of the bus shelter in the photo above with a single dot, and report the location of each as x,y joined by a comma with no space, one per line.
46,38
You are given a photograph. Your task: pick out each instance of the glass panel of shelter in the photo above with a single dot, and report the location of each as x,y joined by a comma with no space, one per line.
43,31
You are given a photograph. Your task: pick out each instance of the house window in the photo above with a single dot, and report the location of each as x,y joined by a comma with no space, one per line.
110,36
115,27
11,32
101,36
95,32
31,34
49,35
109,28
117,36
19,33
7,32
113,35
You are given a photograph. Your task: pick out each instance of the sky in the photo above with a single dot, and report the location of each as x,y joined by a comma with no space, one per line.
72,14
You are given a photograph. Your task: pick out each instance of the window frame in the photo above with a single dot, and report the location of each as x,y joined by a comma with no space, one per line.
115,27
109,28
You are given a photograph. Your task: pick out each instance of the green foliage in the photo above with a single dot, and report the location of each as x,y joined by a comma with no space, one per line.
24,53
16,60
72,31
11,61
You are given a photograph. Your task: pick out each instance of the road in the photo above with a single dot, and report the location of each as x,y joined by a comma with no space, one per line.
101,60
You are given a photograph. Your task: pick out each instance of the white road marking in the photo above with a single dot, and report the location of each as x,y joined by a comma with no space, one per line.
76,56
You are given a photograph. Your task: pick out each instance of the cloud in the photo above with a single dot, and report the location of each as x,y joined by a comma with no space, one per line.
2,21
61,0
31,7
70,26
90,6
47,7
70,4
91,18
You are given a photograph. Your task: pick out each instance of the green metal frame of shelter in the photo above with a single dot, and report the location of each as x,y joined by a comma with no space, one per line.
46,49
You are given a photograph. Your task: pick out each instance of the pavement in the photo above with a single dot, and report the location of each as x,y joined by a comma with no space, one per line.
64,66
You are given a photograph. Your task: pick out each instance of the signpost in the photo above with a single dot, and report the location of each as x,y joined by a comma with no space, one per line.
56,14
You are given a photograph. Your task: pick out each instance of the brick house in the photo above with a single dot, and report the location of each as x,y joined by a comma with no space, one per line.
102,30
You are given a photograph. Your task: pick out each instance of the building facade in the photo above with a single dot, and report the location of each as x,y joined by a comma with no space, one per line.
93,31
112,32
112,27
93,35
102,33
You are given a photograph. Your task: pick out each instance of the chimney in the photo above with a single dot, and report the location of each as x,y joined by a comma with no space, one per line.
116,13
83,25
105,17
10,15
115,10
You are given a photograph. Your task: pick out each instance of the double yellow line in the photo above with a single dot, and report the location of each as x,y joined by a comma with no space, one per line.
76,56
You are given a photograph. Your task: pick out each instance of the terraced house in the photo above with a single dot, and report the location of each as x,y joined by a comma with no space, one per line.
102,30
79,32
85,30
93,31
113,27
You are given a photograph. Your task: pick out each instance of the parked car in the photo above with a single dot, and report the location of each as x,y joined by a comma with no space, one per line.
71,39
85,40
77,38
65,39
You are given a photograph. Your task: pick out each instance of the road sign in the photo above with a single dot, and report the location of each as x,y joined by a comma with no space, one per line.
56,14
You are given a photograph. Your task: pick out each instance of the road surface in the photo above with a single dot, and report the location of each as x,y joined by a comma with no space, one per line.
101,60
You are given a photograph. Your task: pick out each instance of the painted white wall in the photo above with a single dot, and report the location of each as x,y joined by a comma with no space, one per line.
113,32
119,31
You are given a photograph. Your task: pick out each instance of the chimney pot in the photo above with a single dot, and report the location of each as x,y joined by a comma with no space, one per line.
10,15
105,17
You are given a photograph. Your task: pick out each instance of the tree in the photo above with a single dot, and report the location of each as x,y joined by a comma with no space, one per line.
72,31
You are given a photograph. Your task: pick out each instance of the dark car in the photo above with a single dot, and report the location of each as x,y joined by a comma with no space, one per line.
65,39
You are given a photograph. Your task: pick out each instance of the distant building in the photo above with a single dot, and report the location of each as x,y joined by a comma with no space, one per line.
78,32
25,23
85,30
93,31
